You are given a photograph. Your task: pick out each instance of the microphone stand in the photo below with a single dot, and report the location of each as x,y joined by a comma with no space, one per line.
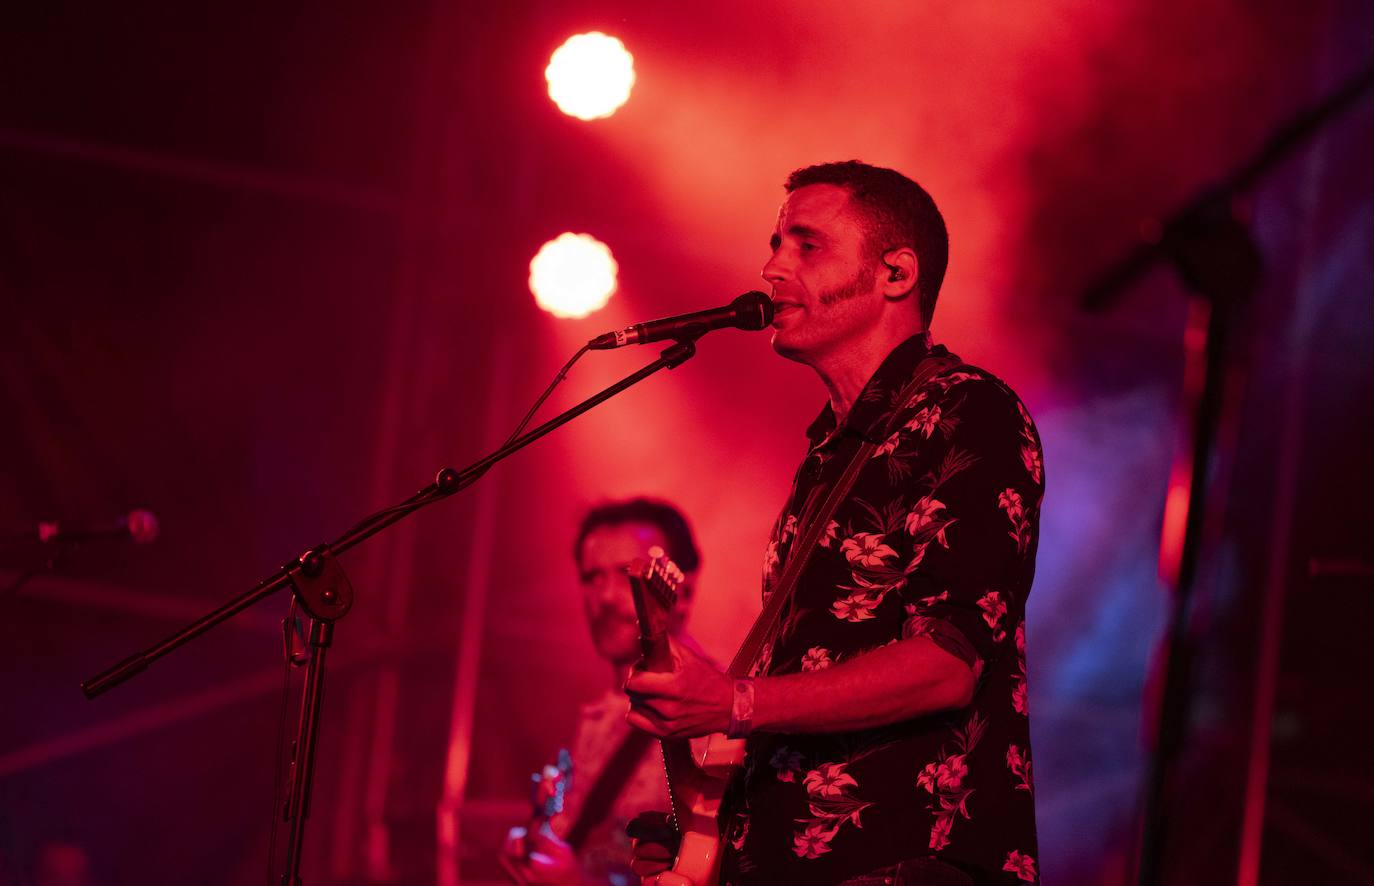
322,589
1220,263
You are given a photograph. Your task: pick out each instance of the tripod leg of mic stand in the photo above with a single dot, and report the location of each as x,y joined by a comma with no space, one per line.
298,806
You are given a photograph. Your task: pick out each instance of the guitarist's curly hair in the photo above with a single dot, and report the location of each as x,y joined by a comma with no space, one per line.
677,532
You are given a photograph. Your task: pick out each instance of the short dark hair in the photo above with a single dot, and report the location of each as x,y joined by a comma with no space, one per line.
677,532
900,213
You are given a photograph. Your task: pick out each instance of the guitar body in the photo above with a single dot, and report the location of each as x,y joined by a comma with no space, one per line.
698,770
703,768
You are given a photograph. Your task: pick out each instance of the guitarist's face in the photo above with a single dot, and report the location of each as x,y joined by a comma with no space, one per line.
610,610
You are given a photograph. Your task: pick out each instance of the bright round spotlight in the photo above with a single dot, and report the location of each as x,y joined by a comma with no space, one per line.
573,275
590,75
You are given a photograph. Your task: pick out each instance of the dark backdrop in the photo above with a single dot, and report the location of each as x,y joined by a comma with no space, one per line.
263,269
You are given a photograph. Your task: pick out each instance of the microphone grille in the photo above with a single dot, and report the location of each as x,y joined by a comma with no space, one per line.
753,311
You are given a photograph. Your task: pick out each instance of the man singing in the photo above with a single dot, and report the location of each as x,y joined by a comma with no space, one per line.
886,718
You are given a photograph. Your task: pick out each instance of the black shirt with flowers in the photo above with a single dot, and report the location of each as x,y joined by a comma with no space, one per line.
936,539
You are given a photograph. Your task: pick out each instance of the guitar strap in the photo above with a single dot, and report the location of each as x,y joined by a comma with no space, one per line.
608,785
809,531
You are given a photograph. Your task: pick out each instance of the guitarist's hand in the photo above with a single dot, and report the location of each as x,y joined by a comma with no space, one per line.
539,858
654,843
690,700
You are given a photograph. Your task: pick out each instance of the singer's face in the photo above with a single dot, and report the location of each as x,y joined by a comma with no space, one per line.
826,289
606,601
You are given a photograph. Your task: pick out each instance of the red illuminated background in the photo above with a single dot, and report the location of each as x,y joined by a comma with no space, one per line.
263,270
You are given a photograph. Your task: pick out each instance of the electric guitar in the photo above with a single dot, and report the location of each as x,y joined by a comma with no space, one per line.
698,770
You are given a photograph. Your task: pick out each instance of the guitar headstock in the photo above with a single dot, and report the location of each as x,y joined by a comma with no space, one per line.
549,787
654,584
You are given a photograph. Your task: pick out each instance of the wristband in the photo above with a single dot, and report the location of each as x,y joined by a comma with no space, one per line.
741,708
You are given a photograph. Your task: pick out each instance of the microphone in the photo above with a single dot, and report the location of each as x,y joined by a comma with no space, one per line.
752,311
140,525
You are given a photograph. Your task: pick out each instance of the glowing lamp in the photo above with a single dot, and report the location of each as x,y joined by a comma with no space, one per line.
590,75
573,275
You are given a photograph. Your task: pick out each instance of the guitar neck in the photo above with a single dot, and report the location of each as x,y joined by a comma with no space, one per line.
656,654
695,792
677,753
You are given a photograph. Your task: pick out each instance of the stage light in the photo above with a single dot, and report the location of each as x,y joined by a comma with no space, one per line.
573,275
590,75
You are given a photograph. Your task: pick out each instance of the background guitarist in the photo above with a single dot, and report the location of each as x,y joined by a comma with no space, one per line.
618,772
886,718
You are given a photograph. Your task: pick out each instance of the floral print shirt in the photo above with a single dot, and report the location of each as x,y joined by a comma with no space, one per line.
937,539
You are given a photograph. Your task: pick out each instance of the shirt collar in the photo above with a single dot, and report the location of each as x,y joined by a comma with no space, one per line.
869,412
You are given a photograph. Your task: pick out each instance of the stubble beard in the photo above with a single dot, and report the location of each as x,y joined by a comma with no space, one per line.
848,291
851,289
614,638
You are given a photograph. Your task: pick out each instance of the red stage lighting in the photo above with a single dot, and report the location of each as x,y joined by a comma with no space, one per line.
573,275
590,75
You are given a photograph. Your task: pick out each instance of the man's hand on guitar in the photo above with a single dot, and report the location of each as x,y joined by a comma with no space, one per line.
693,699
534,855
538,858
654,843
